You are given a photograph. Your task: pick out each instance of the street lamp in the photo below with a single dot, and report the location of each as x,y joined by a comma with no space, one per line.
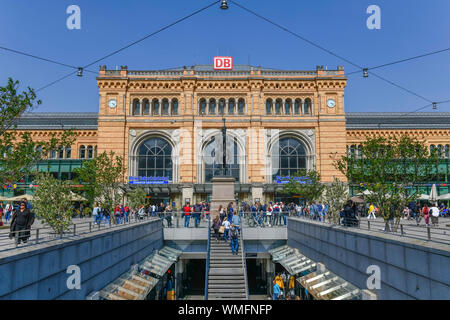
224,5
366,72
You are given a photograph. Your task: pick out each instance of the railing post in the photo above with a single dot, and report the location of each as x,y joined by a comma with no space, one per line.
368,225
429,232
401,229
74,229
37,236
90,226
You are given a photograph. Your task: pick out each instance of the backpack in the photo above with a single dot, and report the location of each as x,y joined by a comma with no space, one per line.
233,233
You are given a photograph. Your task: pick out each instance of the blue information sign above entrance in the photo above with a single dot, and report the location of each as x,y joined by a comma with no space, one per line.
148,180
281,179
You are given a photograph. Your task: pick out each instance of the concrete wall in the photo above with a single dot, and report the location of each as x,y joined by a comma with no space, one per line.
410,269
39,272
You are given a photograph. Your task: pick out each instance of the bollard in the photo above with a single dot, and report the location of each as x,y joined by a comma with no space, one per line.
368,225
90,227
401,229
74,229
37,236
429,232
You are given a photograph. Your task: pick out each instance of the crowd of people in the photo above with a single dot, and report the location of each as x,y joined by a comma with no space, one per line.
284,287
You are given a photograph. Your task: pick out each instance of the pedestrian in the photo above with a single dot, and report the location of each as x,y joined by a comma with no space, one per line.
426,215
234,235
226,231
8,209
236,220
21,223
371,212
222,213
96,213
168,215
276,291
216,226
434,215
187,214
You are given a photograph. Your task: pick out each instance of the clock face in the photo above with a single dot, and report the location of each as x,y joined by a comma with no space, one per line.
112,103
331,103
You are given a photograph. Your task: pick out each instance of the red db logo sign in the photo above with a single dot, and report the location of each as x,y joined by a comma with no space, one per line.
223,63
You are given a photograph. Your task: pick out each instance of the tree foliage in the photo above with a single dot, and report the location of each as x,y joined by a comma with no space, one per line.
335,195
52,202
136,197
388,167
306,184
102,178
19,153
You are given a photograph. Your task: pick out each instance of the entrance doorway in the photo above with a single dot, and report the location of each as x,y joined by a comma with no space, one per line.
256,283
194,277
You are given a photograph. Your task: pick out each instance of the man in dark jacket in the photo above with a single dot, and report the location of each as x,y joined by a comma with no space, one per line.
21,224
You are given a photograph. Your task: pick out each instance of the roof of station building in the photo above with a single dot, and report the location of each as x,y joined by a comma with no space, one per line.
354,120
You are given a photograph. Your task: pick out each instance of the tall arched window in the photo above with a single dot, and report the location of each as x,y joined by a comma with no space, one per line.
53,154
278,103
174,106
287,106
222,106
288,157
212,106
82,152
297,105
155,104
214,168
269,106
90,152
165,107
155,158
202,106
308,105
61,152
241,106
136,107
446,151
231,104
440,150
68,152
146,107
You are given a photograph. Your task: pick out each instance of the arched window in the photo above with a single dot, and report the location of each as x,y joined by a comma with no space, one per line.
146,107
155,103
136,107
288,157
278,103
202,106
440,151
446,151
53,154
165,107
82,152
297,105
39,149
61,153
269,106
432,147
231,104
68,152
307,109
174,106
241,106
287,106
213,166
155,158
222,106
90,152
212,106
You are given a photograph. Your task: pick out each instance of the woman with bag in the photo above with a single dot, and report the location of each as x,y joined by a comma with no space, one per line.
216,226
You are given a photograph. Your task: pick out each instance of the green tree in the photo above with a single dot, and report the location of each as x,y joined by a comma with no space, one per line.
19,153
136,197
102,179
52,202
389,167
306,184
335,195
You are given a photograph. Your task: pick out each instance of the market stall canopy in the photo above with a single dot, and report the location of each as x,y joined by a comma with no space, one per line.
424,197
325,285
292,260
76,197
357,199
5,199
137,283
444,196
29,197
365,193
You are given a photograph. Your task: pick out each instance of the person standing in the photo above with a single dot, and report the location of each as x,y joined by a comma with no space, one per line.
371,212
434,215
426,215
226,231
237,222
8,210
276,291
21,223
234,236
168,215
187,214
1,213
96,213
222,213
216,226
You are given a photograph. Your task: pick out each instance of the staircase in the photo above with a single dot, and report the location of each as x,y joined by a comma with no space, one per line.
227,279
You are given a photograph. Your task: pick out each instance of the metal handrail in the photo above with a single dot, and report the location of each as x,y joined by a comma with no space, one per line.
244,264
47,234
208,248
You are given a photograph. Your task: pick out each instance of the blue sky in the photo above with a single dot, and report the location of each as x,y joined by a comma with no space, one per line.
408,28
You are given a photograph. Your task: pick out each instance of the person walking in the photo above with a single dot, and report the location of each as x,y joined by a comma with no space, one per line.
216,226
96,213
426,215
237,222
226,231
21,223
187,215
222,213
8,210
434,215
371,212
234,236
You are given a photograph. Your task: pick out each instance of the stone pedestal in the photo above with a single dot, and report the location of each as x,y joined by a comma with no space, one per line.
222,194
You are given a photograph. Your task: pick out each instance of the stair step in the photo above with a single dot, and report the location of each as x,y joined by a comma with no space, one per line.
226,281
226,271
226,290
225,286
226,278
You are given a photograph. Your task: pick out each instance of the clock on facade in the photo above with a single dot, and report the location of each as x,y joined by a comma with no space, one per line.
331,103
112,103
